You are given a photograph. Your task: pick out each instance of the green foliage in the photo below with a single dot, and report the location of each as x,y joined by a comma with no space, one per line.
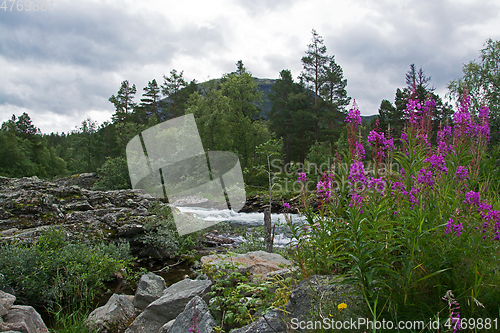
235,300
113,175
172,87
70,322
25,152
290,117
481,80
123,101
52,271
161,234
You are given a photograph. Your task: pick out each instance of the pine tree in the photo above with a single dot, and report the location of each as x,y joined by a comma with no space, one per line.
123,101
149,105
313,75
171,88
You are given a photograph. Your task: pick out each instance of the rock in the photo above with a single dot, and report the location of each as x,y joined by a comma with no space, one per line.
256,263
6,300
213,240
25,319
29,205
83,180
149,289
114,315
169,306
328,289
166,327
271,322
9,232
195,312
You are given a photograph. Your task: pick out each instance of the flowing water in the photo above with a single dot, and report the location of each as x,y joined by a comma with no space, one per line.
247,221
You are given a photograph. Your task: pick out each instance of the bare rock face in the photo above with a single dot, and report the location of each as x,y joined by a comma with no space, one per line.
29,205
256,263
114,315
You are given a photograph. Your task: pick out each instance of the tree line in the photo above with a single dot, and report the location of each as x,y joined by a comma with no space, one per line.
306,120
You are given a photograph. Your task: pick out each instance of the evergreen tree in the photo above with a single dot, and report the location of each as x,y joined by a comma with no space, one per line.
171,88
290,117
149,105
335,99
123,101
314,64
244,100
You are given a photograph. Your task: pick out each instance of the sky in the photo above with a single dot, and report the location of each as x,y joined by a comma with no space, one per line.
61,65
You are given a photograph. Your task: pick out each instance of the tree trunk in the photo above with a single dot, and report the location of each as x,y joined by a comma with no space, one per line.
267,230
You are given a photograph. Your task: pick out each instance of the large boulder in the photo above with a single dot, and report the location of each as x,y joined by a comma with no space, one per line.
196,313
271,322
255,263
6,302
116,314
322,294
169,306
149,289
25,319
29,205
315,299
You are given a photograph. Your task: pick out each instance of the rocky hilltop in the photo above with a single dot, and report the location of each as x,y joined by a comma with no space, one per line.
30,205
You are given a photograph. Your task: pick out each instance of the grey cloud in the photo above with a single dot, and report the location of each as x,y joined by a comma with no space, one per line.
429,34
98,36
258,7
67,59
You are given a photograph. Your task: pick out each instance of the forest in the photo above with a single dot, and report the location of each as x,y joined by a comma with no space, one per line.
301,122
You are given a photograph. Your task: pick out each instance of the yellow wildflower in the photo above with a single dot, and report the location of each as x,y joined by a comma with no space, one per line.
342,306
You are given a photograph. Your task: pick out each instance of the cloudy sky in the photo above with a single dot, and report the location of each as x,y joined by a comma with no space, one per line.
62,65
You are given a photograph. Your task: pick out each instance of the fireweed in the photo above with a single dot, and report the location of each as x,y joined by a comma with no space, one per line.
407,238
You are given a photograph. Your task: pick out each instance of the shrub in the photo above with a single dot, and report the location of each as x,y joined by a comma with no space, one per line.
52,271
161,234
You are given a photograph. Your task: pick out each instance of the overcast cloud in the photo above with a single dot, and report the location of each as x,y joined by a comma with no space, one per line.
62,65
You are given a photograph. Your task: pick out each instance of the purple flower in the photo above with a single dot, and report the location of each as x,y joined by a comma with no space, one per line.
323,189
397,186
449,226
461,119
461,174
286,205
378,184
454,310
471,198
359,151
357,172
458,228
438,163
411,197
425,178
404,137
302,177
354,116
356,200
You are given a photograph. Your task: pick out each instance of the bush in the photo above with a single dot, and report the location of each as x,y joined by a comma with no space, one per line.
52,271
161,234
113,175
